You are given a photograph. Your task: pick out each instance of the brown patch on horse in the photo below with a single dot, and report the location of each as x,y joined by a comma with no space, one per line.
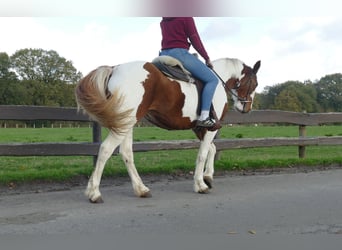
231,84
200,132
163,101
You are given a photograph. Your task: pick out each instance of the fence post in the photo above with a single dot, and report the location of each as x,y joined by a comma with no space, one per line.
301,148
96,137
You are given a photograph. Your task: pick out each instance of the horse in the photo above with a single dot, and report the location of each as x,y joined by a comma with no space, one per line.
118,97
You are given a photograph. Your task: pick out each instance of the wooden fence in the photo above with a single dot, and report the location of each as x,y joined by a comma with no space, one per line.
31,113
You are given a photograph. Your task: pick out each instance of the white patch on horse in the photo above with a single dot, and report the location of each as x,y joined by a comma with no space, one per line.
191,100
237,104
127,79
219,99
235,67
252,97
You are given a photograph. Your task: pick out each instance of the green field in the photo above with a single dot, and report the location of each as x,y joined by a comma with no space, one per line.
21,169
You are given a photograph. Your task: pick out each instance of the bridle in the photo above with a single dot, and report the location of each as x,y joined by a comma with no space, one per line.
236,87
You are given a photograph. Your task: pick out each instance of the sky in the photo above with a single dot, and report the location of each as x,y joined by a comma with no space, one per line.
290,47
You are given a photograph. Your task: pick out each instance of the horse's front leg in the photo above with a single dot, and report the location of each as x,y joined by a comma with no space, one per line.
204,152
126,151
209,167
106,150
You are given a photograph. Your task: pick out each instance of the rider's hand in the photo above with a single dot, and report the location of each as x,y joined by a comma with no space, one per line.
209,64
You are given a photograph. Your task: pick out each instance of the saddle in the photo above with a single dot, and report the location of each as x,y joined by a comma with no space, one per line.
173,68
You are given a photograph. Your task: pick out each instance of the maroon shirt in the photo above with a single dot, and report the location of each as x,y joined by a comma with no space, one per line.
178,31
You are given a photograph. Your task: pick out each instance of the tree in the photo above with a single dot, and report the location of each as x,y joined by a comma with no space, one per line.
5,65
43,66
12,93
329,92
268,96
291,96
287,100
66,95
257,101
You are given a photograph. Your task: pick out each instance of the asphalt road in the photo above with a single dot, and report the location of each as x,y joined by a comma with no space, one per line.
277,204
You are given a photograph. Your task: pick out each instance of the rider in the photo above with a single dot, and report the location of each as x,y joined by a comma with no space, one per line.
178,33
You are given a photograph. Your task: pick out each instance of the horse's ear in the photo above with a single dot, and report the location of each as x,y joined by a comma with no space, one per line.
256,67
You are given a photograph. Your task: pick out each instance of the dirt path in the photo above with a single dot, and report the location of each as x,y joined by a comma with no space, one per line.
263,204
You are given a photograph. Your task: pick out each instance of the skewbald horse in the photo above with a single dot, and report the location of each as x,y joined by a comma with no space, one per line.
118,97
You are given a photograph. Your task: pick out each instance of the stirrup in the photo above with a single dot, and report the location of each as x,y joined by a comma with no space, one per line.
207,123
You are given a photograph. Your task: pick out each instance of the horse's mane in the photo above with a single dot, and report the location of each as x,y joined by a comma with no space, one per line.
235,65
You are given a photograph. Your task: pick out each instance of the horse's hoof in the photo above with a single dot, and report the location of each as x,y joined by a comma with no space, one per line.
204,191
208,181
97,201
146,195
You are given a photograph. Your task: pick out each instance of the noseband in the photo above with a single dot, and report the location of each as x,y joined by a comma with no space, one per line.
236,87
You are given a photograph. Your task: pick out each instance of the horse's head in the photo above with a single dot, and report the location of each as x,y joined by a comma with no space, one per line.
243,88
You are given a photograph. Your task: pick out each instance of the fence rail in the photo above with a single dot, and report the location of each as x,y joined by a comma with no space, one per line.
29,113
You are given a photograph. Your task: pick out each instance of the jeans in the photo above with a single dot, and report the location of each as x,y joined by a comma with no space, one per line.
198,70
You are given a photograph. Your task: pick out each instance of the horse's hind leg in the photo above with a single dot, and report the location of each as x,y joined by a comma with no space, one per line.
126,151
209,167
106,150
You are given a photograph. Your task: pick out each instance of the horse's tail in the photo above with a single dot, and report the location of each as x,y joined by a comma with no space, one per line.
102,106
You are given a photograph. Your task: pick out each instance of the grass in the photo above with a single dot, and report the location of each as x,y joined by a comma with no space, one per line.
23,169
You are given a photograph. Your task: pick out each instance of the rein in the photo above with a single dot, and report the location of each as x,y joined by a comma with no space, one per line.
241,99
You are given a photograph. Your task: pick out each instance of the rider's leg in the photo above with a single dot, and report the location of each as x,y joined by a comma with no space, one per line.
200,71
